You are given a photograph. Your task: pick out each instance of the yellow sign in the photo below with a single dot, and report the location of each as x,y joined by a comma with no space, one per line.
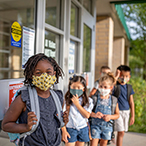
16,31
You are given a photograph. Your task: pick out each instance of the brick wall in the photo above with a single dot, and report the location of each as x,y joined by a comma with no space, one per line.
118,52
104,43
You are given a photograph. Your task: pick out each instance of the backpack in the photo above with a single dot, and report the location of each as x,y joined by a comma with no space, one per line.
15,137
117,90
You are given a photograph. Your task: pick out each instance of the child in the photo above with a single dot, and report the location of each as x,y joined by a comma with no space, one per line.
38,68
80,108
125,103
103,70
106,110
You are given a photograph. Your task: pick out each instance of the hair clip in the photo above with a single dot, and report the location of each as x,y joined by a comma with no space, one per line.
70,78
74,75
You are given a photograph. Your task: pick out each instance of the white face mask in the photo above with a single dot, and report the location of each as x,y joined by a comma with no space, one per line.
104,92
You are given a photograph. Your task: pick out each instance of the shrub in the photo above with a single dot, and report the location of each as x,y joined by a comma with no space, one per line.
139,87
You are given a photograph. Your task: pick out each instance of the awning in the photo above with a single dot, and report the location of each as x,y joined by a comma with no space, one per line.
122,19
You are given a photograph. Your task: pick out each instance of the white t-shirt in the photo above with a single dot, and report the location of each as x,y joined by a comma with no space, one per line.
76,120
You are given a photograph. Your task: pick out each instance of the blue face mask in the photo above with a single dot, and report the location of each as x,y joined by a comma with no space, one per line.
79,92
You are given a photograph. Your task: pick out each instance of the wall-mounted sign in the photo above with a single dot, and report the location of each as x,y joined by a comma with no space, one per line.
28,44
71,58
16,34
13,87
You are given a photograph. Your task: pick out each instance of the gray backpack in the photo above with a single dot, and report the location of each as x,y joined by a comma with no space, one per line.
14,137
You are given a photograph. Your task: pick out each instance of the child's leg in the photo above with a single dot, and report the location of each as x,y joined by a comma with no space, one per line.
89,131
70,144
120,136
79,143
103,142
94,142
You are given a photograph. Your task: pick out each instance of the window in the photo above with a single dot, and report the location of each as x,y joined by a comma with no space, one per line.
52,45
88,5
53,13
74,20
87,49
73,57
10,56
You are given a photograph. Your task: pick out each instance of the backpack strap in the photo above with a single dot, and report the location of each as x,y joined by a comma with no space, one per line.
117,90
58,106
95,98
129,90
113,104
34,107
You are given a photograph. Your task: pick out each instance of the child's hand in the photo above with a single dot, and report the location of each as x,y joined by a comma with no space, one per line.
31,120
131,121
98,115
75,100
65,134
106,118
117,75
65,117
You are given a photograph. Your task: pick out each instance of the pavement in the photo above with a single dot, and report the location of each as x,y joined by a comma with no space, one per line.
130,139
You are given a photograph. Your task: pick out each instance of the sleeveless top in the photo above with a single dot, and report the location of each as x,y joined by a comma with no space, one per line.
47,133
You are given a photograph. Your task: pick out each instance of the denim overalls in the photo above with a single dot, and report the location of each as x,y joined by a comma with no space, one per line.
101,129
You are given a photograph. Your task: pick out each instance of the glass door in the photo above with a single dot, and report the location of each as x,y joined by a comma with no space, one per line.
88,37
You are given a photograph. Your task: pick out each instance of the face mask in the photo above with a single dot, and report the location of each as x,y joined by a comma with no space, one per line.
44,81
122,80
79,92
104,92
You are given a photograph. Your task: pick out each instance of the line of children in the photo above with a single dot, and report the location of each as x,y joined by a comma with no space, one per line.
79,104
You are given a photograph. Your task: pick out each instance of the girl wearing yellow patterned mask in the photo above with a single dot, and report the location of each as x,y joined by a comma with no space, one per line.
42,72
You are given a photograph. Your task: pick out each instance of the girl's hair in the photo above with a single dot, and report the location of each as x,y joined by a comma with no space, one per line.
68,95
109,77
33,61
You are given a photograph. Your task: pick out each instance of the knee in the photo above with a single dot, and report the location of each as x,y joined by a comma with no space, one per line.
121,134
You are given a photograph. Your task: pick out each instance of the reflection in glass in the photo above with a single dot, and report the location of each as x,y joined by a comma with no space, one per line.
74,20
86,49
88,5
51,45
10,56
53,12
73,57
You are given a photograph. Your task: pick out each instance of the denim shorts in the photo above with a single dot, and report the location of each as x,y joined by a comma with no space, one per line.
82,135
101,132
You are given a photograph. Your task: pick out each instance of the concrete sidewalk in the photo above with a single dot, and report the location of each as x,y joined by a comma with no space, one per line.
130,139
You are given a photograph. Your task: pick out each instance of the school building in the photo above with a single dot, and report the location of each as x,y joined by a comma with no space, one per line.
81,35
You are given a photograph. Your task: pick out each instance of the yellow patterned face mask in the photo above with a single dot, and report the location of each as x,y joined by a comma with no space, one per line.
44,81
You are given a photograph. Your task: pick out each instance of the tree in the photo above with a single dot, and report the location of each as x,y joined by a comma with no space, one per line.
136,13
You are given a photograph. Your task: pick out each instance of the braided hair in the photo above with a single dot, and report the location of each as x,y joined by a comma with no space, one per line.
33,61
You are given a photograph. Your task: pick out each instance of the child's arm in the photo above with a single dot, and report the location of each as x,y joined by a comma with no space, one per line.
131,103
96,115
93,91
65,134
84,113
117,74
9,122
112,117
